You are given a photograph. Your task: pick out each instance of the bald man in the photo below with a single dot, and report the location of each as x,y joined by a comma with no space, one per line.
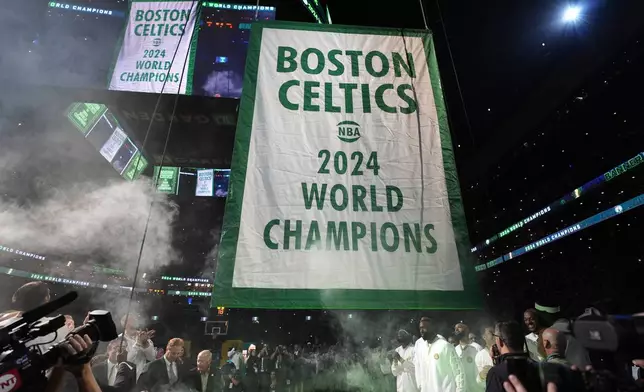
554,344
201,379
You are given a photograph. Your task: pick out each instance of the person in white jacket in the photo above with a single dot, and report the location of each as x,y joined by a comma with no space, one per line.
437,367
402,366
483,360
466,350
140,349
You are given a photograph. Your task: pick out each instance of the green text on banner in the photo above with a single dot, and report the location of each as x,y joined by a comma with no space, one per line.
344,192
147,61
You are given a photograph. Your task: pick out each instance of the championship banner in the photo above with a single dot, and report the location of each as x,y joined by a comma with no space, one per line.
205,180
343,191
157,50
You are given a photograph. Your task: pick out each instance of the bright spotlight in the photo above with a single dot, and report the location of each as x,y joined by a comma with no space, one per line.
571,14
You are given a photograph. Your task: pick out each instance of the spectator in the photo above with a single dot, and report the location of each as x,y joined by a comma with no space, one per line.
163,374
140,348
483,360
534,325
554,344
533,375
115,374
201,379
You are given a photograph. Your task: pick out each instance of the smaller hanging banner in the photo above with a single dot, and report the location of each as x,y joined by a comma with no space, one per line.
157,52
167,179
204,182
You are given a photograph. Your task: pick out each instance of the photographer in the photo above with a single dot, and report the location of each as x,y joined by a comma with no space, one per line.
509,342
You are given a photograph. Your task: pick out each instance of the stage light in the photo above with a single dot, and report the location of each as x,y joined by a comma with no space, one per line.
571,14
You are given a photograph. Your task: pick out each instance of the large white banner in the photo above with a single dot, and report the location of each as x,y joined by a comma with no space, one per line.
344,189
157,52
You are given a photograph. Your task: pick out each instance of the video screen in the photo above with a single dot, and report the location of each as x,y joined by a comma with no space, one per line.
103,131
189,180
224,31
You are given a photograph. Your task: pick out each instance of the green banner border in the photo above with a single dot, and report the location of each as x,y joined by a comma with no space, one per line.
223,292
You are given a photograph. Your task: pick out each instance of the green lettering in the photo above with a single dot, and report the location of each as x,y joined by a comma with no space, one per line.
345,197
434,245
383,237
313,238
411,236
283,94
297,234
374,202
348,95
374,237
270,244
379,97
305,61
339,237
369,64
333,59
328,99
286,59
313,195
366,100
390,190
309,95
355,68
408,66
412,106
358,231
359,194
139,16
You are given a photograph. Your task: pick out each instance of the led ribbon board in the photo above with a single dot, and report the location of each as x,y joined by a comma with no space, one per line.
575,194
586,223
364,219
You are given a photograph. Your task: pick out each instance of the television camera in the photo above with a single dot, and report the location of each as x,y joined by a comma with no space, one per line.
25,348
622,335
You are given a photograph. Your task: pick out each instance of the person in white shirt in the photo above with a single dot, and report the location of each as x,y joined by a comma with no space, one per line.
402,366
436,365
466,351
463,335
140,349
235,356
483,360
533,324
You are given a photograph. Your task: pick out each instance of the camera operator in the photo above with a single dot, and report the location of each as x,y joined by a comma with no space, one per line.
27,297
534,376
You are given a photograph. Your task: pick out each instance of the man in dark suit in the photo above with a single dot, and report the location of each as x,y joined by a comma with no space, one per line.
202,379
163,374
115,374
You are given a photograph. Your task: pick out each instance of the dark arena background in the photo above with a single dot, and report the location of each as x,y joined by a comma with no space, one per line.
547,128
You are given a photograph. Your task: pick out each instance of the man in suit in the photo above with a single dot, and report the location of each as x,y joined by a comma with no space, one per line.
115,374
163,374
202,378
